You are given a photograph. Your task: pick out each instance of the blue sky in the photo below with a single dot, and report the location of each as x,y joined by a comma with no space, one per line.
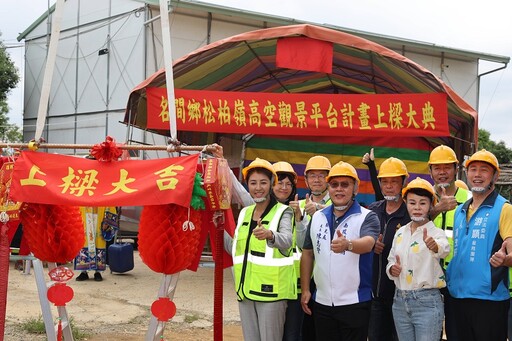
463,24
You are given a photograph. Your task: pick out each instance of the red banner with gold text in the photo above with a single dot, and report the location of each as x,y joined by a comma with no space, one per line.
66,180
295,114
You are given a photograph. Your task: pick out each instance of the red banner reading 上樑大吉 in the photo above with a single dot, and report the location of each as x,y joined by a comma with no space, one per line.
66,180
424,114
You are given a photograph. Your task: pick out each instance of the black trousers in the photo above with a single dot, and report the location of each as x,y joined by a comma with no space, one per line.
342,323
478,320
308,324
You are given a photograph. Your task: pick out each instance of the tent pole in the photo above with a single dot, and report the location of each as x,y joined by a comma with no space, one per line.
245,139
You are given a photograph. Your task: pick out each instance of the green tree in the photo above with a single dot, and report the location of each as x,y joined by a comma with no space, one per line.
9,78
503,154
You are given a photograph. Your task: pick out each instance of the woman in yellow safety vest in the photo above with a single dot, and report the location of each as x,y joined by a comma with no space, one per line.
262,257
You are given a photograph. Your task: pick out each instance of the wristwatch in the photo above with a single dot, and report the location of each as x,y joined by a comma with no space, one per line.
350,246
317,206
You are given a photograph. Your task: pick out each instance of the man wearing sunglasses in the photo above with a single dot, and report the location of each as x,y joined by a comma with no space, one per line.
338,251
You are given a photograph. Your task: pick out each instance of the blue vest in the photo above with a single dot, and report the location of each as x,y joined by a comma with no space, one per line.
469,273
341,278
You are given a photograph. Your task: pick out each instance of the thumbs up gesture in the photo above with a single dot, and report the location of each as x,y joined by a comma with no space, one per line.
368,157
498,258
310,205
261,232
396,268
446,202
379,245
295,205
339,244
429,241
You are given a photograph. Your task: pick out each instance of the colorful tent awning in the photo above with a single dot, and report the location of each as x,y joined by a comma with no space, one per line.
247,62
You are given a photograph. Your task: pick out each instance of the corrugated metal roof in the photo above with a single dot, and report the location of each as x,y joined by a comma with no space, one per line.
39,20
390,42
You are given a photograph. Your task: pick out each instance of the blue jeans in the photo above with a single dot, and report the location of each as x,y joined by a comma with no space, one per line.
418,314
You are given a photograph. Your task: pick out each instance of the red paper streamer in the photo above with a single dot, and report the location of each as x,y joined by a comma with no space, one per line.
4,275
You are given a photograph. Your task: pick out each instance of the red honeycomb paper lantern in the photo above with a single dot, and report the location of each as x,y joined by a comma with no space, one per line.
54,233
167,243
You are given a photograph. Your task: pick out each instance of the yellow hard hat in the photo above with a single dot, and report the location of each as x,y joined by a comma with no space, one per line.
422,184
484,156
392,167
442,154
285,167
461,184
318,162
259,163
343,169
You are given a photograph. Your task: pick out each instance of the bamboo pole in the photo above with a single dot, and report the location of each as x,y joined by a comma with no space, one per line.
169,148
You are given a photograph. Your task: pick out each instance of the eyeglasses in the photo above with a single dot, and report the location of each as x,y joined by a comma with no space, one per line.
336,184
316,177
284,184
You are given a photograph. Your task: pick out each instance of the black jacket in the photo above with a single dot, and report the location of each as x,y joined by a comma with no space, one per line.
382,286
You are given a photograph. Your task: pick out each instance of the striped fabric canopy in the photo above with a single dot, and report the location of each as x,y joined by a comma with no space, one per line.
413,151
247,62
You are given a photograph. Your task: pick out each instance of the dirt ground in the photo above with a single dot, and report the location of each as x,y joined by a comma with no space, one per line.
119,306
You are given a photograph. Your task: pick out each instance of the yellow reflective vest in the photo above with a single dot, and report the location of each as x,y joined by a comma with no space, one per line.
262,273
445,221
296,254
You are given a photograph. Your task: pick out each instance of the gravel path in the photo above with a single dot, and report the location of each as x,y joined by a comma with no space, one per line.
119,306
